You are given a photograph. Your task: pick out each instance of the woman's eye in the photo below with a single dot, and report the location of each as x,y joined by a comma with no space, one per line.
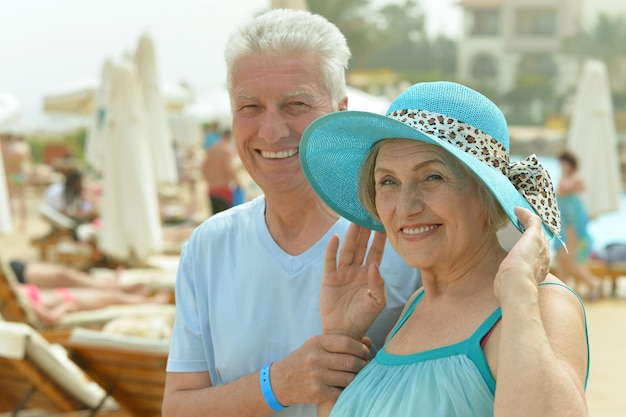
386,181
434,177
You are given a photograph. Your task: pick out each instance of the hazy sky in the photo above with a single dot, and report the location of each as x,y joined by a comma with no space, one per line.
47,44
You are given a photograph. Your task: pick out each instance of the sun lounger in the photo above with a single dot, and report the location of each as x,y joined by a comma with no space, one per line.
61,229
16,309
155,278
36,375
605,270
130,368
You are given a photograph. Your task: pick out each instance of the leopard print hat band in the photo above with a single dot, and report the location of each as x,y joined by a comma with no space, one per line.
529,176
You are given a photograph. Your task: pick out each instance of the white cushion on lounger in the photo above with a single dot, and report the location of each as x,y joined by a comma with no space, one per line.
109,313
99,338
153,277
18,341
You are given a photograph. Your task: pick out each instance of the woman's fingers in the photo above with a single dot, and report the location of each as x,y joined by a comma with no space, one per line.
376,285
354,246
377,249
330,259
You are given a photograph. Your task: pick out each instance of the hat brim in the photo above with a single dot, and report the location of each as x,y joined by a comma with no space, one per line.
334,147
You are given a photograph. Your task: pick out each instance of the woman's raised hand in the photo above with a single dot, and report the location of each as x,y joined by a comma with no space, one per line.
353,291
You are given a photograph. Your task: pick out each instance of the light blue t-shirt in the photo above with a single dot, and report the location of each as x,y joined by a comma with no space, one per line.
242,302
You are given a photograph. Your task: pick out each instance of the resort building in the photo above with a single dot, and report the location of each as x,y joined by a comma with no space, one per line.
504,38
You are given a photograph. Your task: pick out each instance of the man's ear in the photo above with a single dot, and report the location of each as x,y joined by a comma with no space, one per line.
343,104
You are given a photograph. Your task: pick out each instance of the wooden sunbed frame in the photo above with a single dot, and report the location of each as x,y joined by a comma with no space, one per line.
27,384
61,228
133,376
611,271
23,386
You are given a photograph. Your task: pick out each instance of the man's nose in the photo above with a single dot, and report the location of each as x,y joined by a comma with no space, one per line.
273,125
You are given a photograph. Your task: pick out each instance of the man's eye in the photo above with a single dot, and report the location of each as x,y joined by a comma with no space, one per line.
297,107
297,104
248,108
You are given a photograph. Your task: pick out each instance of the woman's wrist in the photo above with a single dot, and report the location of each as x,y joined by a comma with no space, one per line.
354,334
518,292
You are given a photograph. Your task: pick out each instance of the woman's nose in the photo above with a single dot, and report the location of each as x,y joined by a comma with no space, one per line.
410,202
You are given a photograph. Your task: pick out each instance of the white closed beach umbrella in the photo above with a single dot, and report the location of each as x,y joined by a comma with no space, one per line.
157,125
9,111
593,139
93,142
6,222
131,227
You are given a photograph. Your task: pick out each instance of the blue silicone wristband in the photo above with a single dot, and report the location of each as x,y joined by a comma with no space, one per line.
266,388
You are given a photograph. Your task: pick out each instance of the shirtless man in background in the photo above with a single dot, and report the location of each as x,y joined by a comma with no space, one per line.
220,173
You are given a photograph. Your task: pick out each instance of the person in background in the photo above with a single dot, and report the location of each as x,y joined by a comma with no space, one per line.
72,198
55,290
220,172
491,333
51,275
573,263
52,304
248,339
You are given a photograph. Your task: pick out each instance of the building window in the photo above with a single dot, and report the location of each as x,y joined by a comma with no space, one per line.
536,22
539,64
484,68
486,22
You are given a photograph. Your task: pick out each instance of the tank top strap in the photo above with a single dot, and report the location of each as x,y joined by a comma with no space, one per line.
406,314
474,351
582,304
486,326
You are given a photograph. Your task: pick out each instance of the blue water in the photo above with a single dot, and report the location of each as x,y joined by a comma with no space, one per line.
605,229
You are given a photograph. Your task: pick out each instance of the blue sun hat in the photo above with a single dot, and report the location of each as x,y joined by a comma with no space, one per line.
460,120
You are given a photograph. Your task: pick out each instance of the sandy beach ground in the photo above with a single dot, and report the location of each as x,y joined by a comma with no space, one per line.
606,391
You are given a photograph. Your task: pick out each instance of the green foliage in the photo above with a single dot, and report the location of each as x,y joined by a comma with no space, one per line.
533,95
606,41
74,141
619,100
355,20
425,76
392,36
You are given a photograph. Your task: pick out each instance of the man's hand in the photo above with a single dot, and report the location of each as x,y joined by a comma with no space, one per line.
319,370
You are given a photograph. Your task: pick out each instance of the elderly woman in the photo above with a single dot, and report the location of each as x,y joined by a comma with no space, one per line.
491,332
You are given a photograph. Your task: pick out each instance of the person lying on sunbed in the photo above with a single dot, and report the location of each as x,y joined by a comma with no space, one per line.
51,304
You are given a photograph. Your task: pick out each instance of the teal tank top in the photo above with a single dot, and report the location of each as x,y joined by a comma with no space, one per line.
449,381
